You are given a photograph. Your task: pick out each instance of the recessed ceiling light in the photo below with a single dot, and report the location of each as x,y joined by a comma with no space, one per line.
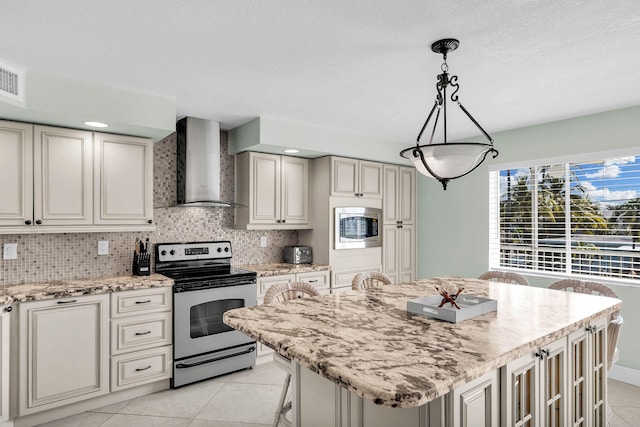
96,124
291,150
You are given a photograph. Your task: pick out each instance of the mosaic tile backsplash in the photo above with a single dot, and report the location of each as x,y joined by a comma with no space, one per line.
44,257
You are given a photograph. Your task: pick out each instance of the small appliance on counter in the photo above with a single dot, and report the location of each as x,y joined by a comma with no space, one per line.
297,255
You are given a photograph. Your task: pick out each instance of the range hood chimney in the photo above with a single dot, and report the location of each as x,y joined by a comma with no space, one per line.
198,168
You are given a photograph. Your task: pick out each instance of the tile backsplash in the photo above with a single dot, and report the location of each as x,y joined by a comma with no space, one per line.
45,257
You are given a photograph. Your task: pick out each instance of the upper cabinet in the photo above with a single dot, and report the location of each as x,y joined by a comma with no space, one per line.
66,180
273,191
399,202
16,174
123,180
359,178
63,177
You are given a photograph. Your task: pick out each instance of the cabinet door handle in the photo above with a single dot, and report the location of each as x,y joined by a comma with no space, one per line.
143,302
313,281
150,221
28,222
143,369
68,302
38,221
143,333
284,220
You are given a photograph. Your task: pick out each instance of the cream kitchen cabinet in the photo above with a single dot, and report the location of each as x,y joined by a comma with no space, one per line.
535,388
274,191
359,178
399,252
51,170
399,197
399,229
66,180
4,363
123,180
587,375
63,352
141,328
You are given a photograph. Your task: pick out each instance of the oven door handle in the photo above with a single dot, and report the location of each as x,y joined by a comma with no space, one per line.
215,359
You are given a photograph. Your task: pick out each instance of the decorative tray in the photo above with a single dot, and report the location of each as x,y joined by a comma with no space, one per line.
470,306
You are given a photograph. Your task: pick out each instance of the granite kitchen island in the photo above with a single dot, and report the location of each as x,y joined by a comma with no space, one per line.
360,357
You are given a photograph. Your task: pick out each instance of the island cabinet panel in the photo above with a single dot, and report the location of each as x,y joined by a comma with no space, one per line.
475,404
588,375
322,403
535,388
63,352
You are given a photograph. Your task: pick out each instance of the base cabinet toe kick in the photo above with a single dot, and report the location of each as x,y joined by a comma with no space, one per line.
560,383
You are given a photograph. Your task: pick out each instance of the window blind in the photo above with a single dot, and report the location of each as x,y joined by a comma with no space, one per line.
574,218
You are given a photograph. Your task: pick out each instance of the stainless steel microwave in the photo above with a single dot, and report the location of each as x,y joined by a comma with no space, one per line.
357,227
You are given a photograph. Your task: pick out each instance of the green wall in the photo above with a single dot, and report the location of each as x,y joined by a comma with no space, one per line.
453,236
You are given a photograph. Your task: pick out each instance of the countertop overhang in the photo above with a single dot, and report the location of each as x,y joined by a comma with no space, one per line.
78,287
367,342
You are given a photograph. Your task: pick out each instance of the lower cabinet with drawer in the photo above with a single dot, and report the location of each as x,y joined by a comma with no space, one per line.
141,326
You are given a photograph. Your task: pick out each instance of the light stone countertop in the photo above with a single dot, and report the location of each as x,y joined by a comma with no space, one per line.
367,342
69,288
276,269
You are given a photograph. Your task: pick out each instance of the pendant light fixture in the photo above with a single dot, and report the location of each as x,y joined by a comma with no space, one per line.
447,160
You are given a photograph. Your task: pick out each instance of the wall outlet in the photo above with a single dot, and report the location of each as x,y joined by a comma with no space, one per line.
263,241
103,247
10,251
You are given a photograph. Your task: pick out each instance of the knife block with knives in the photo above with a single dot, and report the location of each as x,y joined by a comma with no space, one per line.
141,259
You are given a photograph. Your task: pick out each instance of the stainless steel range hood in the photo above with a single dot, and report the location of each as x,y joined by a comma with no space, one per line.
198,169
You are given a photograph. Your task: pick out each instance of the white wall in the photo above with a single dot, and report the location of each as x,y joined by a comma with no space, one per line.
454,223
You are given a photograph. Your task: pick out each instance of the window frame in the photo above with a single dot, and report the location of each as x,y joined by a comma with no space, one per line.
494,214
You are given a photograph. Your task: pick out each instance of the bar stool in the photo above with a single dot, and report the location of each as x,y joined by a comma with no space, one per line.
281,292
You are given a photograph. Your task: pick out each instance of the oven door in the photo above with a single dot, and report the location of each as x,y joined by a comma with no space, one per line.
198,326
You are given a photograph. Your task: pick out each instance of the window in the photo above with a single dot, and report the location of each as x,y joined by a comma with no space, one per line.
570,218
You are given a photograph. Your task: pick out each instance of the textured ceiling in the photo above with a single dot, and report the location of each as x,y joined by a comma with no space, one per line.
361,66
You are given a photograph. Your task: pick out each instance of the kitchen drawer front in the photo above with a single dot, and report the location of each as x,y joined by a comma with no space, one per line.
140,367
140,332
265,282
319,279
142,301
342,279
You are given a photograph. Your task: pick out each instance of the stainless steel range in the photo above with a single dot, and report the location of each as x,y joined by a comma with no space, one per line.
205,287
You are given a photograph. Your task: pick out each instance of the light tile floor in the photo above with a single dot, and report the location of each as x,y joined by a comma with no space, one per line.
249,399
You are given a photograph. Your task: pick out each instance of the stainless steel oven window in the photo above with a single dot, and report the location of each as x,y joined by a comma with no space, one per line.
206,318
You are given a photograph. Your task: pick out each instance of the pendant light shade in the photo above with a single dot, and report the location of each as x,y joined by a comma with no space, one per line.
446,161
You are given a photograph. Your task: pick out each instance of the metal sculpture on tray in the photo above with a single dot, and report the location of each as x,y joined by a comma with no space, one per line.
449,293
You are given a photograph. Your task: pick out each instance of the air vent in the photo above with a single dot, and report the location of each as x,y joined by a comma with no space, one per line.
11,82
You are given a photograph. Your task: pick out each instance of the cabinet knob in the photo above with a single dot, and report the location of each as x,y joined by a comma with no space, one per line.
150,221
8,309
38,221
284,220
28,222
279,221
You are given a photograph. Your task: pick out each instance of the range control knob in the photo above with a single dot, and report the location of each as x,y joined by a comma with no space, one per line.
226,248
219,249
172,252
163,252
